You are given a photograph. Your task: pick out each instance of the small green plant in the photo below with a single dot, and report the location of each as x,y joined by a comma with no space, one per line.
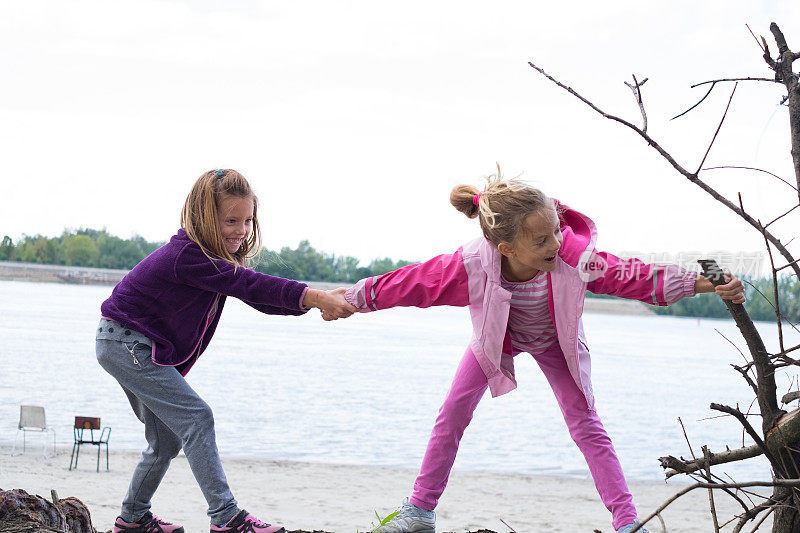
381,521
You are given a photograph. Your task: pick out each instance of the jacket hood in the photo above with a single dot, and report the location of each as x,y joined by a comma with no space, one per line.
579,232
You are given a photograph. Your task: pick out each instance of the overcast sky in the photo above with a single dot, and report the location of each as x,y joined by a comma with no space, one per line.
353,120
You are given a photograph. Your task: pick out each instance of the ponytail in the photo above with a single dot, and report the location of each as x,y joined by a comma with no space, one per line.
463,199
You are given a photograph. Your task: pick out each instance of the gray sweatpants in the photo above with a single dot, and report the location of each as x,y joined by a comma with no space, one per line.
174,417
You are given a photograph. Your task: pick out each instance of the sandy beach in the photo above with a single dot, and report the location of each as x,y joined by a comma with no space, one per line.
341,499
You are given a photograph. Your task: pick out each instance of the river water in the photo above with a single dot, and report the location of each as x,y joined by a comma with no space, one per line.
366,390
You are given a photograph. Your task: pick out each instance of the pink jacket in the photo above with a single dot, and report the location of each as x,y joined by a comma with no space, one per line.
471,277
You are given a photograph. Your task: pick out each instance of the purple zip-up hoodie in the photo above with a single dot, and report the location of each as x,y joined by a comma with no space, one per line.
175,297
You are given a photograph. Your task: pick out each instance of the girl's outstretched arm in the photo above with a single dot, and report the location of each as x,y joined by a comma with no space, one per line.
654,284
634,279
439,281
268,294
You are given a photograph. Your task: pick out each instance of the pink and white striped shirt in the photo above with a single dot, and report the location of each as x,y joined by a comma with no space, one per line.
529,322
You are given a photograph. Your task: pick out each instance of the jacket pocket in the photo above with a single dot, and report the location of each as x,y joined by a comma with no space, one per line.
138,353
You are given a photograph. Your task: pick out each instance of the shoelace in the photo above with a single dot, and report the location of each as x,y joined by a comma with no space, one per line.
161,522
250,523
154,525
256,521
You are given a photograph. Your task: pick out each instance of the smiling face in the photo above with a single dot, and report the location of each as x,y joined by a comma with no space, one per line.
235,221
534,248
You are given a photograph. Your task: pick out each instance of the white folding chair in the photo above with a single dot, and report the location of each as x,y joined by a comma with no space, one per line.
31,418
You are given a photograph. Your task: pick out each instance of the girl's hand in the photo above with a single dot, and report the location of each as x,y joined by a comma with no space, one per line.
335,305
331,304
732,289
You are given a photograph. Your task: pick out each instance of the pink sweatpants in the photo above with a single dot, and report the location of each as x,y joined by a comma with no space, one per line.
584,426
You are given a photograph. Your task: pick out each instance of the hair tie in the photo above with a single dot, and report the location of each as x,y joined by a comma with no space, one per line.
477,198
219,173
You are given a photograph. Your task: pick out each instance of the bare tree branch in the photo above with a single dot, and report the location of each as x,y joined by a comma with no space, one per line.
768,505
794,327
756,169
731,493
779,38
767,57
775,295
766,515
637,95
784,74
765,373
746,376
790,396
788,350
719,127
711,505
786,361
700,485
743,370
785,432
731,79
698,103
750,431
666,155
714,84
789,264
675,466
778,218
731,342
754,37
685,436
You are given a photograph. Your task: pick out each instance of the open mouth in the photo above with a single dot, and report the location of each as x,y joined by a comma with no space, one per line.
550,259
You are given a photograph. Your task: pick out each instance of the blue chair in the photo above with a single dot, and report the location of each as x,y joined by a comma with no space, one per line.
83,433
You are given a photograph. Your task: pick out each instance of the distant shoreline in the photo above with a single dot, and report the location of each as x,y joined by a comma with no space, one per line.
17,271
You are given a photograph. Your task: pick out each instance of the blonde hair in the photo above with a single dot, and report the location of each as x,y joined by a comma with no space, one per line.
502,206
200,215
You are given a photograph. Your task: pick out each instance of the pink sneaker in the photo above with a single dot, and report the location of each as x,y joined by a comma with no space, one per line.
247,523
149,523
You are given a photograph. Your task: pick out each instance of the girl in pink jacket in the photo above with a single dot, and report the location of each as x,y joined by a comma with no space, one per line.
524,284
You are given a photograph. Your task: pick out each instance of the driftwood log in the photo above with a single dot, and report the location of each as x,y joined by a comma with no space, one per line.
21,512
786,432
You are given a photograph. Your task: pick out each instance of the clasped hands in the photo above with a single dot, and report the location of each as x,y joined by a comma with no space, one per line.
331,304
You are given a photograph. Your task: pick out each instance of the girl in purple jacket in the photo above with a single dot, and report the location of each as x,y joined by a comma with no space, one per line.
524,283
159,320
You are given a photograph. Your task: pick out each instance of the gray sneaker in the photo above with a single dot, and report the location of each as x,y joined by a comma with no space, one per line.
410,519
630,527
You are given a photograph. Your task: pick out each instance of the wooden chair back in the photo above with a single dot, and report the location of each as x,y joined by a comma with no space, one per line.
87,422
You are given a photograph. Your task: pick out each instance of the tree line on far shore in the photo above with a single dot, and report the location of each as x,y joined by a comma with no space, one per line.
97,248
